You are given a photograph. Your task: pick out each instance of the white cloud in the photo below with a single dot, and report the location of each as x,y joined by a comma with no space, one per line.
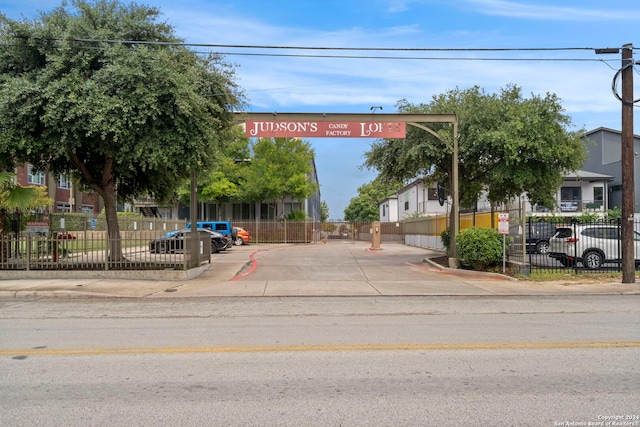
536,10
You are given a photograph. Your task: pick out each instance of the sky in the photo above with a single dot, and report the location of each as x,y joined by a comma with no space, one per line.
580,78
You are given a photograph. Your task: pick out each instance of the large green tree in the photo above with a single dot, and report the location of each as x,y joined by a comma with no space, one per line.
365,206
80,94
223,180
279,167
508,145
324,211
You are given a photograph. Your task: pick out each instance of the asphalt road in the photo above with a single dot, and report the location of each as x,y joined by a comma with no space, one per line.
350,361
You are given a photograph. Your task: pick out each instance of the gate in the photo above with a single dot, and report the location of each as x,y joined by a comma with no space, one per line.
391,232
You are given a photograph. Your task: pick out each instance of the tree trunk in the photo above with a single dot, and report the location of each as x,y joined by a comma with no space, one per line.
4,243
113,228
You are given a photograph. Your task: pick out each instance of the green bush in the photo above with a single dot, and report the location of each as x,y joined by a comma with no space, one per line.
296,216
613,215
446,239
72,221
479,248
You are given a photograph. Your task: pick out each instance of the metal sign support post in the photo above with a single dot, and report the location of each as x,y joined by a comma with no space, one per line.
503,228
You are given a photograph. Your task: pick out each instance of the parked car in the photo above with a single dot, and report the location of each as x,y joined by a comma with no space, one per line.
223,227
174,241
240,236
593,245
538,235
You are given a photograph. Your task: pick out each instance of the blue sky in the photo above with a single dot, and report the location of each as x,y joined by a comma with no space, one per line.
319,85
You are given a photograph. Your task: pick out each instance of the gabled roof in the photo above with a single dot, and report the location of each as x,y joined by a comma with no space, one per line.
609,130
581,175
411,184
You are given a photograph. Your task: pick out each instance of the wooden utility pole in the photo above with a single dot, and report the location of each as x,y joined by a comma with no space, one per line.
628,186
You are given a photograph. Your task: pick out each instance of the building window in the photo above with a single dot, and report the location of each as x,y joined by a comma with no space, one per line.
34,177
384,210
87,210
598,194
570,197
404,200
243,211
292,207
267,211
570,193
63,207
432,194
63,182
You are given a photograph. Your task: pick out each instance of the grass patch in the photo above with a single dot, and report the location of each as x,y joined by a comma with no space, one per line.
572,276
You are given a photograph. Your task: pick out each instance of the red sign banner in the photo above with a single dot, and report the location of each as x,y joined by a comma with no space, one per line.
311,129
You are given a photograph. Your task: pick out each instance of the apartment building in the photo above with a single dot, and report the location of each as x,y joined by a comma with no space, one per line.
66,196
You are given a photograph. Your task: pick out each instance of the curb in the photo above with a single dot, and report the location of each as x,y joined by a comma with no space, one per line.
471,273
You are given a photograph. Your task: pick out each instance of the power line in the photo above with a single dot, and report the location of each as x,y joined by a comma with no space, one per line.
336,56
397,49
429,58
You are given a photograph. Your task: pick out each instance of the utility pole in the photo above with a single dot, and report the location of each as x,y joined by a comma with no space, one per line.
627,160
628,186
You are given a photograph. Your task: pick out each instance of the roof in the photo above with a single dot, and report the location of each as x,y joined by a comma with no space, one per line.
581,175
609,130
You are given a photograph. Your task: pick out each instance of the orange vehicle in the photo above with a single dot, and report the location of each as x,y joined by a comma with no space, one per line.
241,236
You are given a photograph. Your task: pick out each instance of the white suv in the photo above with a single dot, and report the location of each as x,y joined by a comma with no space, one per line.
593,245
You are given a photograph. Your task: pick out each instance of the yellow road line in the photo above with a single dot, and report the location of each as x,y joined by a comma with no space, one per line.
316,347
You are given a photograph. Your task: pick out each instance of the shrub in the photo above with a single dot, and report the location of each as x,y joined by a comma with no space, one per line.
446,239
613,215
479,248
296,216
587,217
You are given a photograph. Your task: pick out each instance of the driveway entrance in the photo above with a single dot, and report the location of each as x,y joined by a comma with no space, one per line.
342,268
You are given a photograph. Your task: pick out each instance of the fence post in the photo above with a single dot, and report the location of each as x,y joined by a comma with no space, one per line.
105,257
523,218
575,246
619,243
28,237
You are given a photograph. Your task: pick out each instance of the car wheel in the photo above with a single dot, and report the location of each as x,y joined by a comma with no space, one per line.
542,247
239,241
593,259
214,247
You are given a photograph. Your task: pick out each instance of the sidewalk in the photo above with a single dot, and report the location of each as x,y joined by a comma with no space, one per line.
334,269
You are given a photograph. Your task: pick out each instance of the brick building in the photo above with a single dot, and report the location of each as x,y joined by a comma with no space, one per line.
66,196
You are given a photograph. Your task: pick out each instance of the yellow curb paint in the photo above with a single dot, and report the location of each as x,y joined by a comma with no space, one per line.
319,347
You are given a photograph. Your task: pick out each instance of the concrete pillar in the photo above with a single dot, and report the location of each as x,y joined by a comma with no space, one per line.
375,235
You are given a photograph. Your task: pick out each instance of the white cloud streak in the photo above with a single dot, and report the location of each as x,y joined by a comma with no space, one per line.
552,12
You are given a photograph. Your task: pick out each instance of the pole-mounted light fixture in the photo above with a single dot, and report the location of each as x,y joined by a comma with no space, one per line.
605,50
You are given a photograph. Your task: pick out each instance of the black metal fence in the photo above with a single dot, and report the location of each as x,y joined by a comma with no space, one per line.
94,251
577,245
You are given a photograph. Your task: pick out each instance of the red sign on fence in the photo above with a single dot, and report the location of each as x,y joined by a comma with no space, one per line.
312,129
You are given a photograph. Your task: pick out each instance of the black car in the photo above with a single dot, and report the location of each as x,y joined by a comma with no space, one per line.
173,242
538,235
